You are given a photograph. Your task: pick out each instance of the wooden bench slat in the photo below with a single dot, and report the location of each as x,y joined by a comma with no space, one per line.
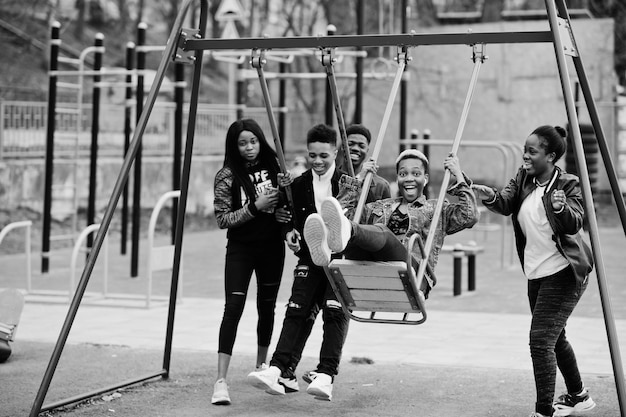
369,268
380,306
382,295
383,283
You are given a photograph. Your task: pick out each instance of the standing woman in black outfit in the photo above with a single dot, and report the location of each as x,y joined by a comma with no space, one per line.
246,194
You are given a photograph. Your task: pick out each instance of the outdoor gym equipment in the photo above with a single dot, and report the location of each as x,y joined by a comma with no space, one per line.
75,110
188,46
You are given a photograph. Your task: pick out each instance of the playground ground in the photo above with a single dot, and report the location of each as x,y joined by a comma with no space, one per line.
470,358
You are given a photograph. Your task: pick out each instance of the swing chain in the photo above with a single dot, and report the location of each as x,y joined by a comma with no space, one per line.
478,53
257,59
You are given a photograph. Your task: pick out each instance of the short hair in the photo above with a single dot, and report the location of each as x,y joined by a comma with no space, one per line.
412,154
552,139
322,133
357,129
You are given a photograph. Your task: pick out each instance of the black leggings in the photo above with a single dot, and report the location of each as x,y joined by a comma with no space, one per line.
267,260
552,300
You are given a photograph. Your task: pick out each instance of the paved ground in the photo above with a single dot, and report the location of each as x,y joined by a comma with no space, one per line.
485,329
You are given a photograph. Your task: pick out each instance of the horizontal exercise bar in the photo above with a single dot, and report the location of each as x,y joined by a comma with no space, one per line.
412,39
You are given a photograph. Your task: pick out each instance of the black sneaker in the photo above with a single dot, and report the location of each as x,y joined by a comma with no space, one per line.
288,380
573,404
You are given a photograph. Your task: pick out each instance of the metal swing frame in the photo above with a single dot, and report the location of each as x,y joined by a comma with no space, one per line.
188,45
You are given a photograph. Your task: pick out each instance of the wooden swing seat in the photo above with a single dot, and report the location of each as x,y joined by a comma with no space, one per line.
377,287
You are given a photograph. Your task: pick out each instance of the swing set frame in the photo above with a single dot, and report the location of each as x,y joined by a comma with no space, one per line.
188,45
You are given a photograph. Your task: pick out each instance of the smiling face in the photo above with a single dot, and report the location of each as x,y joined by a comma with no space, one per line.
321,156
248,145
536,162
359,147
412,178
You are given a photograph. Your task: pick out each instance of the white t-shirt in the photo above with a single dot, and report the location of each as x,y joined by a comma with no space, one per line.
541,256
322,187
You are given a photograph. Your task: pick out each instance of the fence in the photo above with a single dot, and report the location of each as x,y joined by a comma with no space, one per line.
23,129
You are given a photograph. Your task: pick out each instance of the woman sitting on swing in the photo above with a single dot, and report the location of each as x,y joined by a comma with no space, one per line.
388,224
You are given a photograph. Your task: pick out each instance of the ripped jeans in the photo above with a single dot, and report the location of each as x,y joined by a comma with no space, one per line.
267,261
311,287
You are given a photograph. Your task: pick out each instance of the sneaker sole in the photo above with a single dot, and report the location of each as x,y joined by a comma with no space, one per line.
220,401
319,394
574,411
315,238
261,383
331,212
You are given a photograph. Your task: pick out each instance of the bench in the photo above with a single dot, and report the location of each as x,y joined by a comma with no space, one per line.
458,251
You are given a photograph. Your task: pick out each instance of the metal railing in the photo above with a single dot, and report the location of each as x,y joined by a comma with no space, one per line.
23,129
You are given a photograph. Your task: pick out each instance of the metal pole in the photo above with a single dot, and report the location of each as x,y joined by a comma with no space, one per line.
95,129
141,65
242,93
471,270
426,151
360,27
609,166
184,190
108,215
457,265
403,142
609,320
55,43
330,30
404,82
282,103
179,97
128,130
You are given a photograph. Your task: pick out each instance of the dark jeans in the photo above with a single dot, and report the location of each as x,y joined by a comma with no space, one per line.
368,242
552,300
311,288
267,261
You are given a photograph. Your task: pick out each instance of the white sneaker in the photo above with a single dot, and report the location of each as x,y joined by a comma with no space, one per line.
267,380
220,393
321,387
338,225
315,236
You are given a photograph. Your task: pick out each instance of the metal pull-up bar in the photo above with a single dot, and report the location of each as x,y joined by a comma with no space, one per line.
402,58
478,57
